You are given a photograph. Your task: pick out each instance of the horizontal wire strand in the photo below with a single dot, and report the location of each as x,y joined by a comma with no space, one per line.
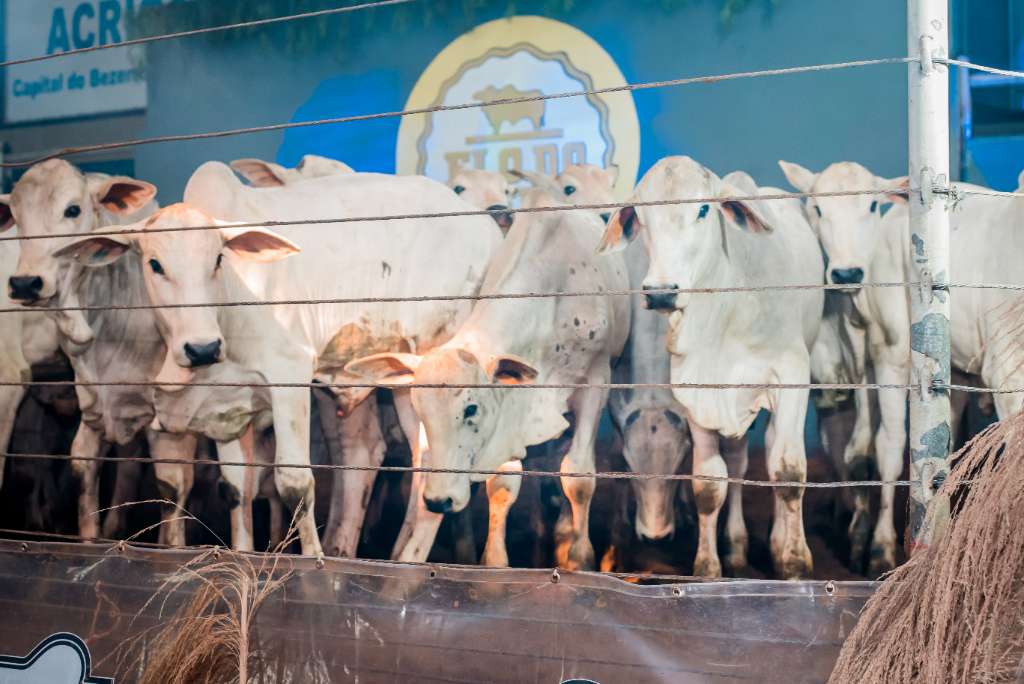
607,475
439,385
629,87
500,296
207,30
449,298
114,232
978,67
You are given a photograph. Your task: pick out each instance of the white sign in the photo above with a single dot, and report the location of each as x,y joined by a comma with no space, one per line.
521,59
81,85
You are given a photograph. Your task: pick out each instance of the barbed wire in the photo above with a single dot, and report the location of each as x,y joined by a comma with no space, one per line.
629,87
114,232
606,475
206,30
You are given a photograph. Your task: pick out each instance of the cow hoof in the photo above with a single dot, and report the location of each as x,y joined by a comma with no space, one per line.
707,566
794,565
737,556
883,560
580,556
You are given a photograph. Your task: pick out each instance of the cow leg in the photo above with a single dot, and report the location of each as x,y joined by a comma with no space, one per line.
291,407
890,443
10,399
857,466
362,445
708,495
277,526
330,424
735,453
240,484
173,479
127,480
419,529
502,492
958,402
573,551
787,462
88,443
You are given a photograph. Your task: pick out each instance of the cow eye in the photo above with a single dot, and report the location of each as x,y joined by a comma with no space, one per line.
817,209
631,418
73,211
459,189
157,268
569,189
703,211
220,258
874,206
469,411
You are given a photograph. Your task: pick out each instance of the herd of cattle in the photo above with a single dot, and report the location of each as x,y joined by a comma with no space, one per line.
111,281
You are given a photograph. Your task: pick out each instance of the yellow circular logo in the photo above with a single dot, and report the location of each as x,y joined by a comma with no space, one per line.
520,57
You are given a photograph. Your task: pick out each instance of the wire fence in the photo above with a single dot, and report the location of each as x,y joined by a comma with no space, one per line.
954,193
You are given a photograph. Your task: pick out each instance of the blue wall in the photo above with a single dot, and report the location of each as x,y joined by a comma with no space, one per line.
198,85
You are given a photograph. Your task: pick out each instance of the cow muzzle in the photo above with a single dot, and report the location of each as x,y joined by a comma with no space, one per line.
847,276
203,354
660,301
501,215
660,531
25,288
440,506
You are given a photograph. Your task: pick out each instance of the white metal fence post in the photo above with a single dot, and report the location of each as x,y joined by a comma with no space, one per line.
928,109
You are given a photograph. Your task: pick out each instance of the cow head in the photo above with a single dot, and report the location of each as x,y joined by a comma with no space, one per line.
589,184
184,267
486,190
685,241
849,227
55,198
462,425
655,439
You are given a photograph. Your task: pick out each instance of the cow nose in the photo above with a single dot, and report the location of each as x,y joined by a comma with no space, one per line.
660,301
202,354
501,215
442,506
847,276
25,288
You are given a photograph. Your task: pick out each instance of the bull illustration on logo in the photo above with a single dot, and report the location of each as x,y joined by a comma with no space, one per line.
511,112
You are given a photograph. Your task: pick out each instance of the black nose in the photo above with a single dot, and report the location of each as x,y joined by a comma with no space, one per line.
442,506
660,301
501,215
847,276
203,354
25,288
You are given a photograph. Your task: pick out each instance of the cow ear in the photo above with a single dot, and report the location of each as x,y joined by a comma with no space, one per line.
96,250
623,227
390,368
259,173
123,195
901,184
747,215
258,244
511,370
799,177
6,215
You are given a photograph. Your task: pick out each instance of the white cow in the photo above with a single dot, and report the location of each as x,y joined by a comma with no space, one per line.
485,190
862,246
55,197
264,174
292,344
654,433
756,337
515,342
